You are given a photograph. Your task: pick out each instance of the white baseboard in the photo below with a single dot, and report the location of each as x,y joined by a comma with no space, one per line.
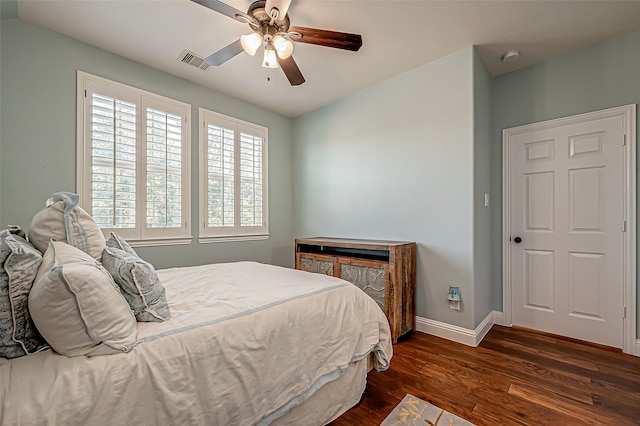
459,334
498,318
472,337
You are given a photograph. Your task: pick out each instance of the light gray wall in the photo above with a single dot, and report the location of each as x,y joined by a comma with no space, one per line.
603,76
8,10
38,137
395,161
481,186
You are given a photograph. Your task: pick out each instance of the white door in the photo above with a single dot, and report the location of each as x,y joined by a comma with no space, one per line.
567,211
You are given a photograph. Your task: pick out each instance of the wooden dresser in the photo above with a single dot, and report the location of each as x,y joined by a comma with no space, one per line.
385,270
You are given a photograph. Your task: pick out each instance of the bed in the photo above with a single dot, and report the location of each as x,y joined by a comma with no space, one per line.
247,343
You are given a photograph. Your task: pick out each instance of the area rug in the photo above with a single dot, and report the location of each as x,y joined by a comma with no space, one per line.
412,411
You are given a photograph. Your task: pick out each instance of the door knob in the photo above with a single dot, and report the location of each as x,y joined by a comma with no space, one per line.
517,240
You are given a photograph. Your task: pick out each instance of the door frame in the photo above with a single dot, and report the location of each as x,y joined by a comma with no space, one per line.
631,344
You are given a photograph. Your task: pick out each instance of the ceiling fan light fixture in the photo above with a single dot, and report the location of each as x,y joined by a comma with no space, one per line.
251,42
284,47
269,60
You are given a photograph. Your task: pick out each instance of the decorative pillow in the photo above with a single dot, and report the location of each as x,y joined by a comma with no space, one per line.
62,220
118,242
77,307
19,263
139,283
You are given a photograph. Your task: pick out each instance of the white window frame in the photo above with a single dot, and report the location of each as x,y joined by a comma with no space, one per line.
141,235
209,234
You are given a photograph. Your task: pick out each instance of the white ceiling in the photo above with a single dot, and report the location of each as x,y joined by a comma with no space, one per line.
397,36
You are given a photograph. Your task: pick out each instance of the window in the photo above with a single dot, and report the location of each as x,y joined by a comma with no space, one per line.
233,179
133,162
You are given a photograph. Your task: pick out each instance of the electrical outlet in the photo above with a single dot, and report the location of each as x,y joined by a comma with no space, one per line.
454,305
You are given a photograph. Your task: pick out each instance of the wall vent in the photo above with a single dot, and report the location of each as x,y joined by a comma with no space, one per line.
192,59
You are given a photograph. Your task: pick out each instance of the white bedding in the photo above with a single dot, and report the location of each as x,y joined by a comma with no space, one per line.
246,342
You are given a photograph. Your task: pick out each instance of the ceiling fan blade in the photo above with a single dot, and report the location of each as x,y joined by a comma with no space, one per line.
281,5
291,70
327,38
224,54
225,9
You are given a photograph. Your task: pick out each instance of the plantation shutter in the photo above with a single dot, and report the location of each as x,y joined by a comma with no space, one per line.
112,174
164,169
220,176
233,178
250,180
133,162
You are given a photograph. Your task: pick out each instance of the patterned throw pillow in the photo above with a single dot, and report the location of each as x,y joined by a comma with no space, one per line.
118,242
19,263
77,307
62,220
139,283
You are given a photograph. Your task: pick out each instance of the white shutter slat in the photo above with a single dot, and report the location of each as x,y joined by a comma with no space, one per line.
164,169
220,176
251,179
111,152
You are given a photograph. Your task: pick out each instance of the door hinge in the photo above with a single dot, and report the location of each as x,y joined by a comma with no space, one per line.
85,93
624,226
624,312
624,140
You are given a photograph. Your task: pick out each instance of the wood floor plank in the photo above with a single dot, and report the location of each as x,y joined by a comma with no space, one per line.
526,414
554,354
372,410
554,402
525,370
515,377
624,405
620,379
572,348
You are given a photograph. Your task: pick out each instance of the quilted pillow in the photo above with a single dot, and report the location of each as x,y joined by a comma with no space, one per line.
118,242
19,263
77,307
139,283
62,220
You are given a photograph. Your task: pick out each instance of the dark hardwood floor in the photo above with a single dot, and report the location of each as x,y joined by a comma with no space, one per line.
515,377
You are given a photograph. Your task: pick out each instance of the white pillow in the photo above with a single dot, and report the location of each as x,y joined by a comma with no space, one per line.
63,220
77,307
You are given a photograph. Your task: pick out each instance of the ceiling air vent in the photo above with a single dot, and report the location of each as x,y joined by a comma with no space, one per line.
192,59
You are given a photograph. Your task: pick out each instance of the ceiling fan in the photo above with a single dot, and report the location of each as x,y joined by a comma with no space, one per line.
270,24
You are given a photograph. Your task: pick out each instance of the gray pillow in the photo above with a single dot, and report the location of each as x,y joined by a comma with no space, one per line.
139,283
19,263
118,242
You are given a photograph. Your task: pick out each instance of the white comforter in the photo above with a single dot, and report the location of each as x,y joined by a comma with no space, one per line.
246,342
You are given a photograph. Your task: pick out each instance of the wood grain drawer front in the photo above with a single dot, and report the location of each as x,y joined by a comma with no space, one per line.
370,279
317,264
